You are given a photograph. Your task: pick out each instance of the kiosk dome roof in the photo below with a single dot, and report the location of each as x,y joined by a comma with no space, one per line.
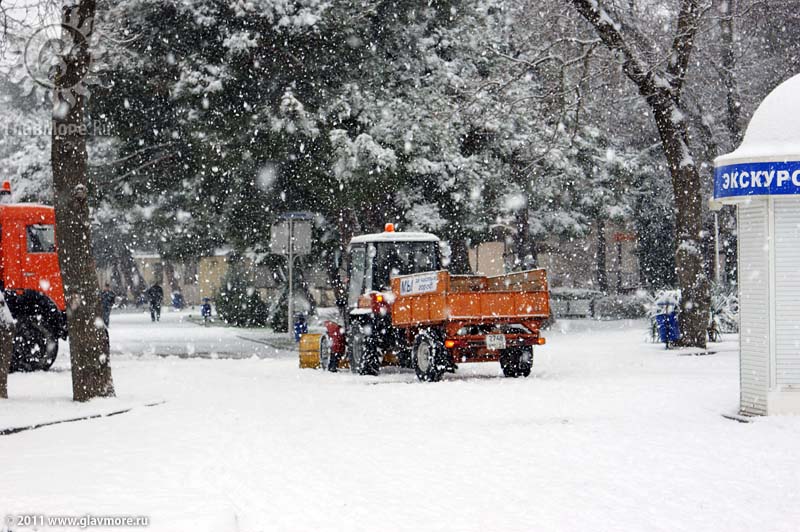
774,131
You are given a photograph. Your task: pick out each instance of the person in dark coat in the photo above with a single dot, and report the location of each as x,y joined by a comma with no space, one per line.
205,310
107,299
177,300
155,295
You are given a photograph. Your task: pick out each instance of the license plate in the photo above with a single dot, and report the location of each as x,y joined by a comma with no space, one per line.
495,341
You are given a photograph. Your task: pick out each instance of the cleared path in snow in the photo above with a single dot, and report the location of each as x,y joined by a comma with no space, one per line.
179,334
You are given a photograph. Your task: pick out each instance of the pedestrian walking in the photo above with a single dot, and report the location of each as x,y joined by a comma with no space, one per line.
205,310
177,300
107,300
155,295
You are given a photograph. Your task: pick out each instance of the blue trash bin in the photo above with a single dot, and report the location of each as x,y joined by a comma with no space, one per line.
668,330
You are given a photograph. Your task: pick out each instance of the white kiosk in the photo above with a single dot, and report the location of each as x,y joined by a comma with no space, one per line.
762,178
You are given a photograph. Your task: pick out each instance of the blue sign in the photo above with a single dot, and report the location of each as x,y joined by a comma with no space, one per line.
757,179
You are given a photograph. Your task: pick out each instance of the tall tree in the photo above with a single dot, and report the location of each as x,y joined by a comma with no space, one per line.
6,345
88,338
733,103
661,86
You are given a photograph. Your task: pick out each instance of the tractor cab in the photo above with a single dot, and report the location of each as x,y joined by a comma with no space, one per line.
375,258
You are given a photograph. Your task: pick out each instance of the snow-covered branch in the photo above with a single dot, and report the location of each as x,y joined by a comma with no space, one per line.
634,65
682,45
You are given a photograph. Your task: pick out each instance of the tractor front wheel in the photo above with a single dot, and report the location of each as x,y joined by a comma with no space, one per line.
362,351
429,358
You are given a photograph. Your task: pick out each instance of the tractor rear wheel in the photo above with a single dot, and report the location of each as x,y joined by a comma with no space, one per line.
362,351
35,348
525,361
430,358
517,362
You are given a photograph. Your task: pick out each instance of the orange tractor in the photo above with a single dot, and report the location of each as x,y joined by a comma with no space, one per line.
405,310
31,280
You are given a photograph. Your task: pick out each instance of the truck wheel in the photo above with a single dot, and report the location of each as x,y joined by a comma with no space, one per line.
363,354
429,358
509,362
516,362
34,347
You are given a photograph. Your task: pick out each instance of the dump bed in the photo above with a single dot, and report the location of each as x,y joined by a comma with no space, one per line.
437,297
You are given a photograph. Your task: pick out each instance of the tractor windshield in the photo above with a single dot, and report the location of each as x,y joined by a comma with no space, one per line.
357,269
402,258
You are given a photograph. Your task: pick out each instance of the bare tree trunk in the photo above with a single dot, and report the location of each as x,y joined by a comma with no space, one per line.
459,254
132,276
602,274
6,345
88,338
526,247
174,282
686,190
6,350
661,89
733,117
117,281
337,270
306,289
158,272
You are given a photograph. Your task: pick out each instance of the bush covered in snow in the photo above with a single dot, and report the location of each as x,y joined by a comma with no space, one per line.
664,301
725,308
238,302
278,313
622,306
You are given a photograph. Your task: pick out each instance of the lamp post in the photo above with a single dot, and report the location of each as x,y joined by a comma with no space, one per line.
715,206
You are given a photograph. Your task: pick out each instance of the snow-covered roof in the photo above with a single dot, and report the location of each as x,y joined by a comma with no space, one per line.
25,206
774,130
145,255
219,252
399,236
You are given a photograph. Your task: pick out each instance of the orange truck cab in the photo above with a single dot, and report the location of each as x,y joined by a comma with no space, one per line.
31,280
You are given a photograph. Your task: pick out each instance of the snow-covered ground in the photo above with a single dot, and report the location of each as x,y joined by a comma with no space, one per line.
609,433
